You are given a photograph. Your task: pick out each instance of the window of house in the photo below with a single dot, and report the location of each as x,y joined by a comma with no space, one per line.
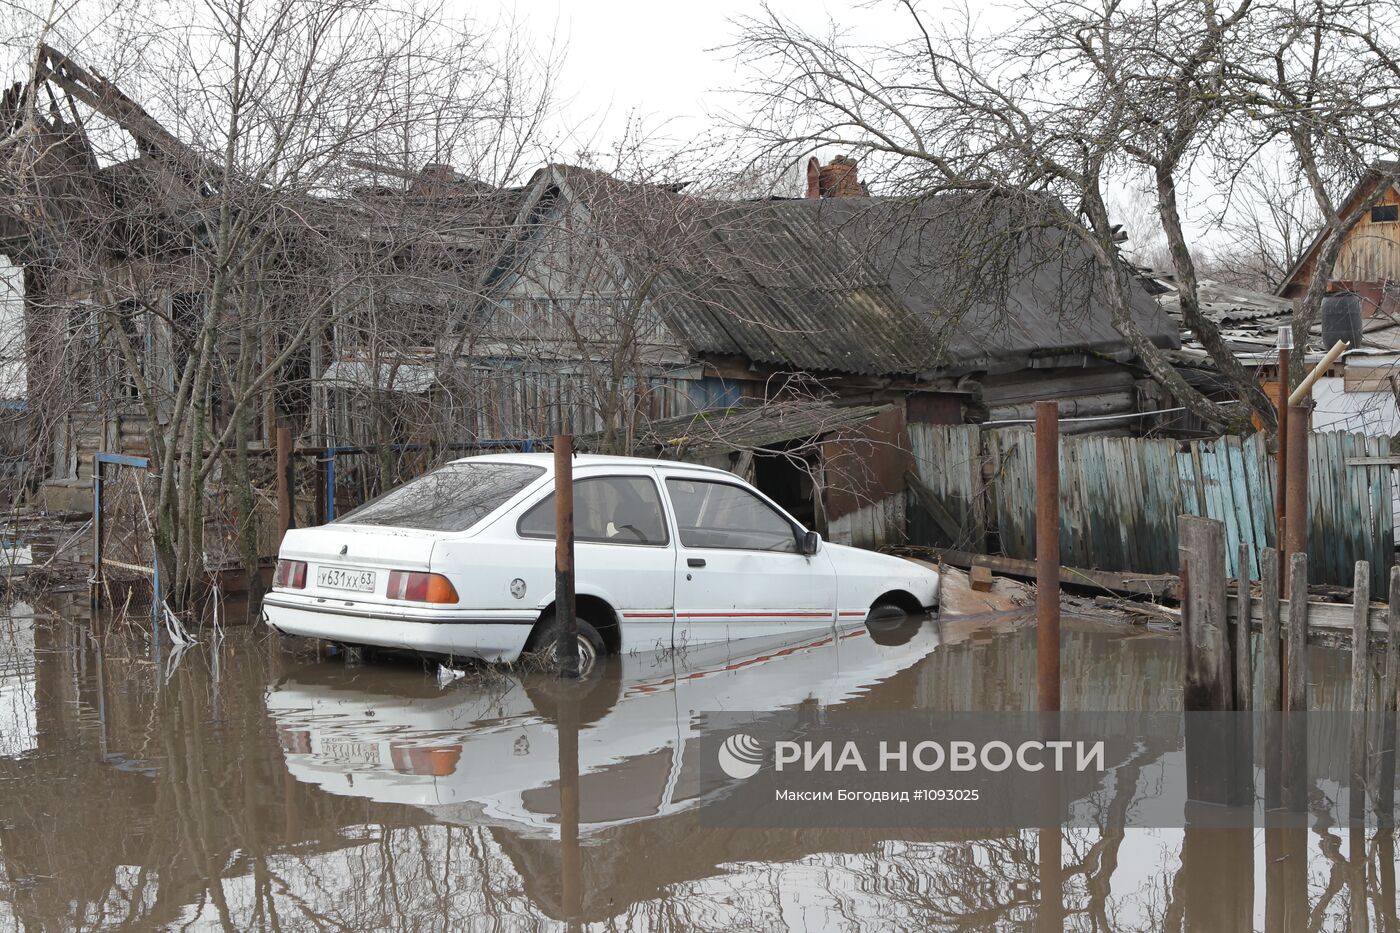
607,510
1385,213
718,515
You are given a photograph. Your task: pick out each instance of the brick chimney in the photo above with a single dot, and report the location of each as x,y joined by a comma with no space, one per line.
814,170
837,178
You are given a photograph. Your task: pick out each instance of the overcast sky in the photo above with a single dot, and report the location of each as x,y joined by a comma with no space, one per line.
662,63
665,64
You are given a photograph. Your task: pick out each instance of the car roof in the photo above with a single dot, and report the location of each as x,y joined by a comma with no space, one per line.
546,460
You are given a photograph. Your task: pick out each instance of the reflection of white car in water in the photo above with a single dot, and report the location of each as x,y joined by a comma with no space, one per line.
461,562
486,749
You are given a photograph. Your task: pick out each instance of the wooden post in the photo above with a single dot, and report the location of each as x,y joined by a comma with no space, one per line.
1244,656
1270,673
285,517
1390,682
565,610
1219,766
1047,555
1209,684
1296,699
1360,686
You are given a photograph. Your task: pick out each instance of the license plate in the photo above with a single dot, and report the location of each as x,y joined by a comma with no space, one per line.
345,578
357,753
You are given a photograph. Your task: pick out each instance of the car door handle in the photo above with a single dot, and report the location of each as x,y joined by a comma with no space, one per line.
695,562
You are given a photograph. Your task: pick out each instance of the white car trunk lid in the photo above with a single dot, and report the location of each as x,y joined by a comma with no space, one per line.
354,561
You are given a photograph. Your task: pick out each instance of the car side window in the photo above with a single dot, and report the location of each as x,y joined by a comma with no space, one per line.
607,510
720,515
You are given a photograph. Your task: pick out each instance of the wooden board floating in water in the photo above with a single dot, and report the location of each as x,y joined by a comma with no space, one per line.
1332,618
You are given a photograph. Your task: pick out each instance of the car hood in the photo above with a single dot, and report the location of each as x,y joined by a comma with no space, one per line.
847,559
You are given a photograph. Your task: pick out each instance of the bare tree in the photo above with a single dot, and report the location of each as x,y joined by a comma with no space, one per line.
1266,223
1071,99
237,213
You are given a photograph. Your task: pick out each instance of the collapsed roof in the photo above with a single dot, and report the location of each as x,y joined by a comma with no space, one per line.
872,286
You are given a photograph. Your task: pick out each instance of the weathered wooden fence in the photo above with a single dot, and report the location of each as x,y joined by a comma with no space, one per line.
1120,498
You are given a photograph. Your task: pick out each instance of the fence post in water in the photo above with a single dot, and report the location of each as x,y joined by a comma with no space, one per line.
1047,555
1213,772
1360,686
1390,682
566,648
1270,672
1244,657
1296,699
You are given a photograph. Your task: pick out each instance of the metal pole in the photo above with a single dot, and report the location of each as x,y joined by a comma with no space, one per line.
1295,539
95,588
1285,353
284,483
566,649
1047,555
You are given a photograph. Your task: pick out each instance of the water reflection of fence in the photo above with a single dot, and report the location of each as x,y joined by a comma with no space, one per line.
1120,498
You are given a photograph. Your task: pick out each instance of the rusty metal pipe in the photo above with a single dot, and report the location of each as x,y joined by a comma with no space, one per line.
1295,540
286,518
1281,458
1047,555
565,609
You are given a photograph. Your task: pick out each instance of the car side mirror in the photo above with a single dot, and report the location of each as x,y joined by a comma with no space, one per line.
811,543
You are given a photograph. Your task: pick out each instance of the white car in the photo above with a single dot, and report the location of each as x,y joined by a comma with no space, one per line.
460,562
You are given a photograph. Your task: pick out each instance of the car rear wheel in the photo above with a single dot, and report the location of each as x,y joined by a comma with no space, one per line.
545,642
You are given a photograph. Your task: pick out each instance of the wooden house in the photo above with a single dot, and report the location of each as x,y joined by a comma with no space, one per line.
1369,262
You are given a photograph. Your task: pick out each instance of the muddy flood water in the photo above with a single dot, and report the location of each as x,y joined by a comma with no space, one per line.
253,783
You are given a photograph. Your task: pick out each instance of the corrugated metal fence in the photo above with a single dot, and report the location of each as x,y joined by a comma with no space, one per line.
1120,496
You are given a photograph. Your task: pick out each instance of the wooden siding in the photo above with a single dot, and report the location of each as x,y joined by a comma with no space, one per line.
1371,251
876,525
1120,497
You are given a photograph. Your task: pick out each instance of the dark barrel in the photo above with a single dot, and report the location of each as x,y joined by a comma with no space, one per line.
1341,319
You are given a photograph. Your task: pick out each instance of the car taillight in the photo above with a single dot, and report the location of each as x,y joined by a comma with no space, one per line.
421,587
290,574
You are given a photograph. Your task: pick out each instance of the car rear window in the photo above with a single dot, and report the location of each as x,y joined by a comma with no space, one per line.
451,498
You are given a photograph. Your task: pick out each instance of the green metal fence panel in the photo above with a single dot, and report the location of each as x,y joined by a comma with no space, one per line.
1120,497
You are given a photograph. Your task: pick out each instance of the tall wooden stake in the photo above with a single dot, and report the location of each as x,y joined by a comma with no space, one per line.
1360,686
565,609
1047,555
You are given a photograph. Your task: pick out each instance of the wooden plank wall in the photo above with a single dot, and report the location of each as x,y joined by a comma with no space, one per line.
1120,497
